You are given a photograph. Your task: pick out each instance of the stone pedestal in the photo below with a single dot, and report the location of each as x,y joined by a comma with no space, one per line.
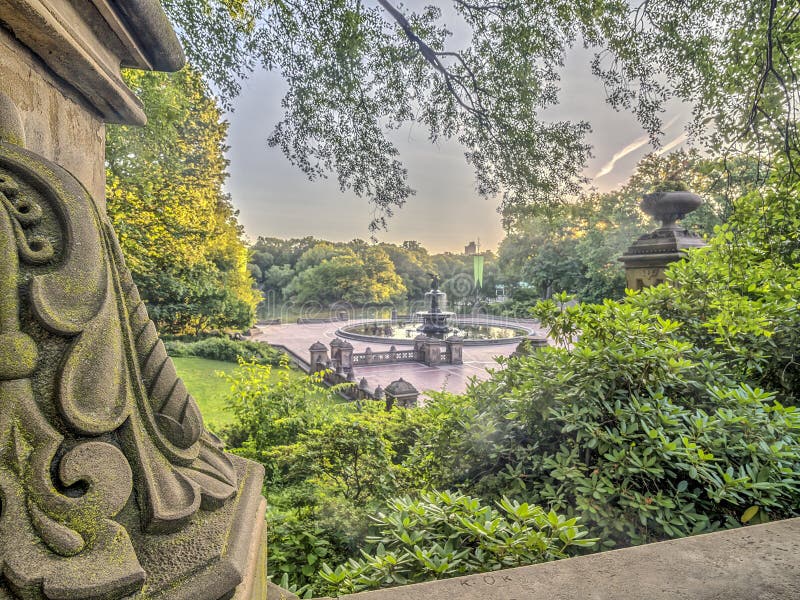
647,259
318,356
110,487
432,352
346,356
455,350
529,344
402,394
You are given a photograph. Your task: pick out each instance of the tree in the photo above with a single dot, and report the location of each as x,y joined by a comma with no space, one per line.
380,270
277,278
328,273
412,263
275,251
356,68
575,247
321,252
176,227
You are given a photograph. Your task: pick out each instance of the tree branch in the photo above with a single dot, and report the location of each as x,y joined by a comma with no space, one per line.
451,80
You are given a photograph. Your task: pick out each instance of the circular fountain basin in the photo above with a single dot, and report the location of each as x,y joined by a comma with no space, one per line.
475,332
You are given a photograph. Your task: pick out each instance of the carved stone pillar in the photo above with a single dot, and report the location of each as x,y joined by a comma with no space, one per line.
432,352
401,393
419,346
530,344
110,487
318,356
336,359
346,356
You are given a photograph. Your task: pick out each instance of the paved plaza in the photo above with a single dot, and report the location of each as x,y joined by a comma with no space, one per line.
452,378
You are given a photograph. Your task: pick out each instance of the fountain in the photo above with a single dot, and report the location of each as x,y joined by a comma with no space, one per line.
435,322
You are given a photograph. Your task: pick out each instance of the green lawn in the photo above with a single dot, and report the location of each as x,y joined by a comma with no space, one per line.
209,389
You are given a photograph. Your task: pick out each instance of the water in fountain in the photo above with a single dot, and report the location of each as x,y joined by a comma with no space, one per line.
435,321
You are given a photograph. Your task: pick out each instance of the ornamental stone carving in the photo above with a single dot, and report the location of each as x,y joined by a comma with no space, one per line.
647,259
110,487
89,399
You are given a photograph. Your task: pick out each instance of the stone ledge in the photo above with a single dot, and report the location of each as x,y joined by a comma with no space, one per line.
85,43
760,562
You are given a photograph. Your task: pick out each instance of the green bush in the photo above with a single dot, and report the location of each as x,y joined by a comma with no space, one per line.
644,436
297,549
329,464
226,349
668,413
671,412
446,534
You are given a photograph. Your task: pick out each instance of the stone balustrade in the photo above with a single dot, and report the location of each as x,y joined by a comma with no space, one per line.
427,350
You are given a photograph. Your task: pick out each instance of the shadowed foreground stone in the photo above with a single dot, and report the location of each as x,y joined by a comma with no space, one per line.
110,486
759,562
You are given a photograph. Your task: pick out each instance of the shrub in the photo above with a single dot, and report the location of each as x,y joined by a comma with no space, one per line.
446,534
328,465
225,349
671,412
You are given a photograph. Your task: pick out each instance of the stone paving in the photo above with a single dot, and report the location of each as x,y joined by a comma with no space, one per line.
453,378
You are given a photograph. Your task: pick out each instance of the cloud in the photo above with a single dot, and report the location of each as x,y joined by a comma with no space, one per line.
673,144
632,147
635,145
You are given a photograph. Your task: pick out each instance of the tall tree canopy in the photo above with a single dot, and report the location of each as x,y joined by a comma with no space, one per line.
357,68
177,228
328,273
576,248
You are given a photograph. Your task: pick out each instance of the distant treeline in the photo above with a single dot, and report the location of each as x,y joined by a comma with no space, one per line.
573,247
308,270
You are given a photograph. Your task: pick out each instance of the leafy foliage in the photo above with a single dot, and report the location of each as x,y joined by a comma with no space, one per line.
446,534
356,70
177,229
326,273
576,248
315,272
670,412
647,436
226,349
330,466
666,413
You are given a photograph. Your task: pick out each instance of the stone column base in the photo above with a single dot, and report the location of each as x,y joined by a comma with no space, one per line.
254,585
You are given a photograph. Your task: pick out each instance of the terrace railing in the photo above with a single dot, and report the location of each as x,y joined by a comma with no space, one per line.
385,357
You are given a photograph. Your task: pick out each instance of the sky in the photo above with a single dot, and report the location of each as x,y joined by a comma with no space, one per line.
276,199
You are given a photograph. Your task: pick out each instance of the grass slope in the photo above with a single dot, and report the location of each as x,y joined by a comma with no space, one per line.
209,389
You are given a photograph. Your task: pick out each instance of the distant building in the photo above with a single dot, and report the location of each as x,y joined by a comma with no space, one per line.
471,249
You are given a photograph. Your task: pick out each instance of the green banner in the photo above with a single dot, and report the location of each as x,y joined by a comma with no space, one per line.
478,270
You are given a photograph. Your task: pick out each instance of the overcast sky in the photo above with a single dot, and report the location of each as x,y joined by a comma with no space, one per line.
276,199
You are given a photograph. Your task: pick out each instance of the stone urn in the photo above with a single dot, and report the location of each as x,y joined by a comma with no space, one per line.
648,257
669,207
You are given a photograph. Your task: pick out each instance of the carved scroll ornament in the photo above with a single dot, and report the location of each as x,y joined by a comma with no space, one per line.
93,417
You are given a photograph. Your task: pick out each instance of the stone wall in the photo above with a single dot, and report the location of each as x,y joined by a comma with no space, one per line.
58,124
759,562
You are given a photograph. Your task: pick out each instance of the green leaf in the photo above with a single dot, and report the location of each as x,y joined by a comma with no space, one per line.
749,514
